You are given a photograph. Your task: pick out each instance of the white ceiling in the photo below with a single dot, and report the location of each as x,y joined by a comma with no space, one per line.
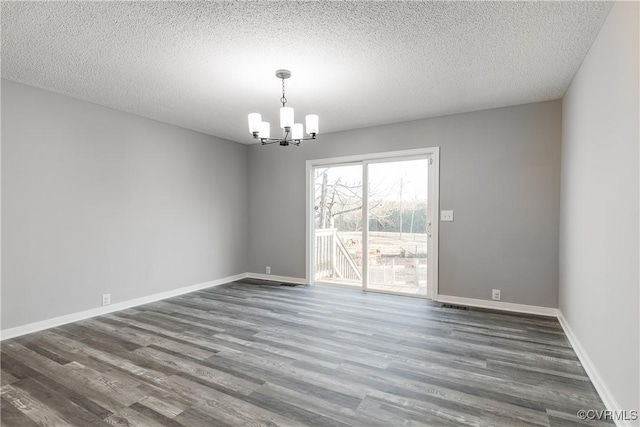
206,65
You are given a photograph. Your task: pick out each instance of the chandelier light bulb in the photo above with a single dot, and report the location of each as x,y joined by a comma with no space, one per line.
254,122
286,117
312,124
297,132
265,130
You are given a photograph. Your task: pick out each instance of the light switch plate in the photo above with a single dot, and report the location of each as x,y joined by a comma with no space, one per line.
446,215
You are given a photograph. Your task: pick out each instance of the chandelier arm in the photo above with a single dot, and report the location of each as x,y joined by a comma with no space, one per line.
267,141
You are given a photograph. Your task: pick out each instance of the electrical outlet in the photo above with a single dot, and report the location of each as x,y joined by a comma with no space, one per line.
495,294
446,216
106,299
268,270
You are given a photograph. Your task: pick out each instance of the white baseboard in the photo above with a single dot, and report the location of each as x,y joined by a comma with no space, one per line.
74,317
275,278
498,305
596,379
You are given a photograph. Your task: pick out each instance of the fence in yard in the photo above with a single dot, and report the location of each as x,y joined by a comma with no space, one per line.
391,273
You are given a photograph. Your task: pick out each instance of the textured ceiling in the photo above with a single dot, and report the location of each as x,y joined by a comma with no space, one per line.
205,65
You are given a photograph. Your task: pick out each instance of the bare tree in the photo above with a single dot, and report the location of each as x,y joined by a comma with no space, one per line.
338,199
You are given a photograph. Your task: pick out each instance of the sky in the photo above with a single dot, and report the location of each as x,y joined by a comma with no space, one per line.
385,178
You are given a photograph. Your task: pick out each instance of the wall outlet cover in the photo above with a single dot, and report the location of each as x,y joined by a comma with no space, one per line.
495,294
268,270
446,216
106,299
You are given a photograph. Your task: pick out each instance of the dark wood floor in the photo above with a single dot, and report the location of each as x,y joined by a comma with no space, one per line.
255,355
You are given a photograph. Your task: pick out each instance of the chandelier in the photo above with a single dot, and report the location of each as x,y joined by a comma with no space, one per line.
293,133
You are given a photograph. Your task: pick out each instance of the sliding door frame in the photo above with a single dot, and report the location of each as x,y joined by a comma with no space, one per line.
364,159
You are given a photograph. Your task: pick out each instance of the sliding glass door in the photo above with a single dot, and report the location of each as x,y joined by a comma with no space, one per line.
398,226
372,222
337,222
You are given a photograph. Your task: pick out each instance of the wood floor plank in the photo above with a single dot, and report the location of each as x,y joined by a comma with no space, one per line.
401,386
34,346
399,416
160,406
322,407
63,375
201,371
69,411
146,339
194,418
227,406
154,415
11,416
249,353
86,354
33,408
127,417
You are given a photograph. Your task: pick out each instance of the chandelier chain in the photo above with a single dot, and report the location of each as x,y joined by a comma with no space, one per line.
283,99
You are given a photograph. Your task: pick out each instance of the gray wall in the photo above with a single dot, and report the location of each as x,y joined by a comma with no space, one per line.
599,211
500,172
99,201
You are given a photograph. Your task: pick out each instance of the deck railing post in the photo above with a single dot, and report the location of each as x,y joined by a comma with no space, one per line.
334,267
393,271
